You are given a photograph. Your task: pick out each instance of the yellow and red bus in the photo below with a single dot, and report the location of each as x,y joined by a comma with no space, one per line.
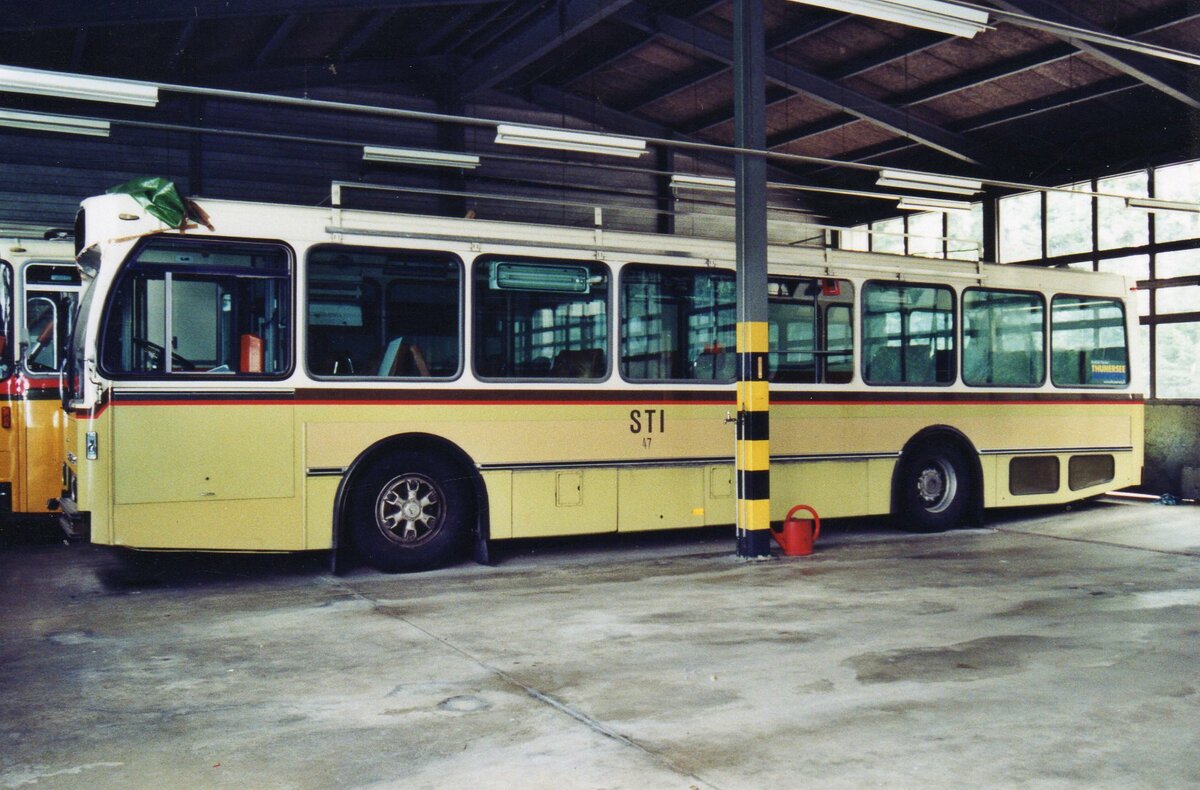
302,378
39,291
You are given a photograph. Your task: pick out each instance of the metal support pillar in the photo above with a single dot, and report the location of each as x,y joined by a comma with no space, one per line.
753,456
452,137
665,200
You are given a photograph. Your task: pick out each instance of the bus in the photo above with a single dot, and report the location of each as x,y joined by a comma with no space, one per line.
412,387
39,291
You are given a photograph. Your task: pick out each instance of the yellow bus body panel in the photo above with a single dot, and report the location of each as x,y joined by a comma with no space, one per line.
265,476
31,451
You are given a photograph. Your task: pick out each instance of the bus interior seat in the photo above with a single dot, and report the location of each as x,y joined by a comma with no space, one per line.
884,365
943,365
403,358
919,364
1013,368
1068,366
587,363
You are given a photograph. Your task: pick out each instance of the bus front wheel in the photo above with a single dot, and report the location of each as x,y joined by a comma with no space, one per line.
411,511
934,488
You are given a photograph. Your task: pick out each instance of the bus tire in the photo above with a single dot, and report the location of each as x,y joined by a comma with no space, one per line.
934,488
411,511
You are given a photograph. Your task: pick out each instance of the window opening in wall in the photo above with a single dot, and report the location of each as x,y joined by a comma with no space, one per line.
925,235
1177,361
888,236
1178,183
1118,225
1020,227
964,231
1069,221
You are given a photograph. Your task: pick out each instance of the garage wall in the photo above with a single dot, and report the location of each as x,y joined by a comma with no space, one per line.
43,176
1172,443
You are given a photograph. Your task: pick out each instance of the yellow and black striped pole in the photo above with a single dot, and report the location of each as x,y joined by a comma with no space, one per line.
753,398
753,441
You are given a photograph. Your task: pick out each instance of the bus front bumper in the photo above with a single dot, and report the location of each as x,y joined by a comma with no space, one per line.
74,523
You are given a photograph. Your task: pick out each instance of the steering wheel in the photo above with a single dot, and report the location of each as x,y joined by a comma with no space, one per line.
177,360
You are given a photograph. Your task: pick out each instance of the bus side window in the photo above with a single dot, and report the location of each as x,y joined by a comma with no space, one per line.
811,330
383,313
541,319
1087,338
678,324
908,334
1004,339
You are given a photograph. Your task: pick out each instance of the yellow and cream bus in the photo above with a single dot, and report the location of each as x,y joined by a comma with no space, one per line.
304,378
39,290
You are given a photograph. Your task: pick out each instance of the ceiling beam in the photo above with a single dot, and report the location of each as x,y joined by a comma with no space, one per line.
1161,76
71,14
277,40
559,101
377,73
794,33
546,33
187,31
365,33
79,48
1076,96
1158,20
895,120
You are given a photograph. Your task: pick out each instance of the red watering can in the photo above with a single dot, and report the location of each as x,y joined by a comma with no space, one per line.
796,536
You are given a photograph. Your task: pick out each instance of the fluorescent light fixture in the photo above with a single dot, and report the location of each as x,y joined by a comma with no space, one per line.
75,86
413,156
44,122
706,183
949,18
1153,204
564,140
933,204
929,182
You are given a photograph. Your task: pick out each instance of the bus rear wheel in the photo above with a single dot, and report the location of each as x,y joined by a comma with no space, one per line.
411,511
934,488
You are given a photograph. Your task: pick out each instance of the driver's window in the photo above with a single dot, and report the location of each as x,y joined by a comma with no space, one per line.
201,308
41,322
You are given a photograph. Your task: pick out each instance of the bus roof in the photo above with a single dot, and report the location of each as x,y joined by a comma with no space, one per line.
118,219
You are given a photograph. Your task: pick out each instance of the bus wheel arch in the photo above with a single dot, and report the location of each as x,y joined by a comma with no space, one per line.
427,489
938,481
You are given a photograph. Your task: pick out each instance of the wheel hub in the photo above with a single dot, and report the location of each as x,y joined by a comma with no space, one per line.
409,509
930,485
937,485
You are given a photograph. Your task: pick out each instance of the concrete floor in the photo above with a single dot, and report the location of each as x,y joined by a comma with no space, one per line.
1053,649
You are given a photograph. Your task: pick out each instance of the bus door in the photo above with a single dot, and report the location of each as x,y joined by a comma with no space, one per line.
197,342
8,434
51,298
